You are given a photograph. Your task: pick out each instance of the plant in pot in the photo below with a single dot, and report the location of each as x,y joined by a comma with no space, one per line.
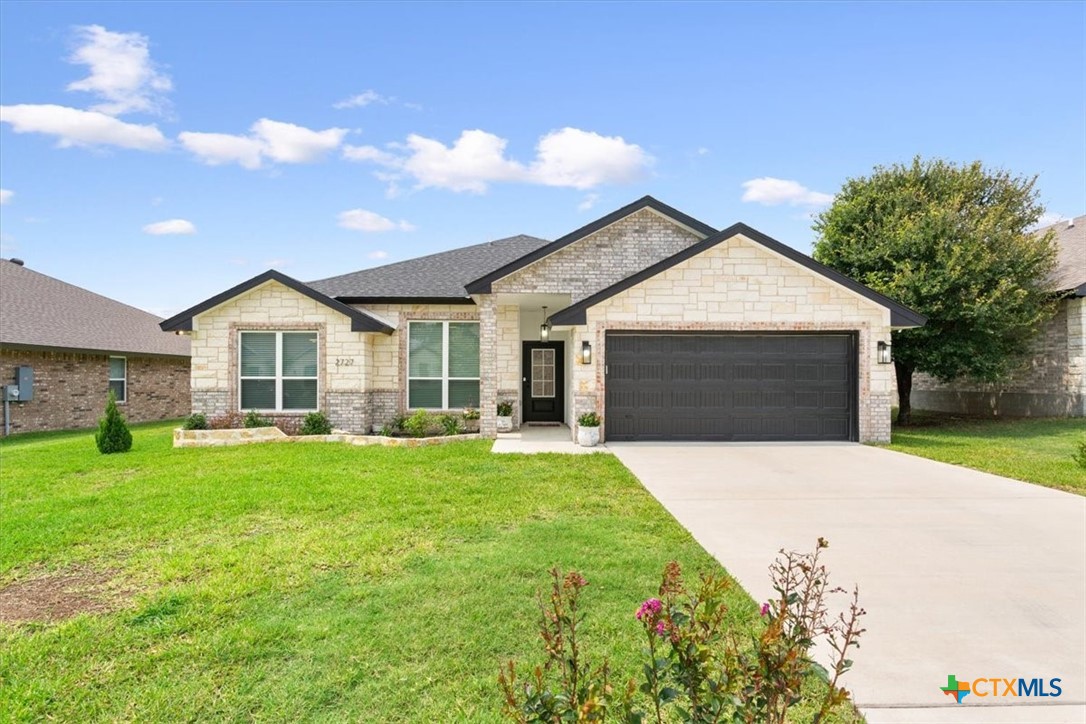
588,429
505,416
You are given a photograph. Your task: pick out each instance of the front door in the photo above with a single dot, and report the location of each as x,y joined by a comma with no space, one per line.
544,381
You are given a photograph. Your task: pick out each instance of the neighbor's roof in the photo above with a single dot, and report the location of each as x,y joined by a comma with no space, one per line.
436,276
1070,274
39,311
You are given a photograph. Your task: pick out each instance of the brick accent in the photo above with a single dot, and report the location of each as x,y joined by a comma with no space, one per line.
384,407
70,389
1050,382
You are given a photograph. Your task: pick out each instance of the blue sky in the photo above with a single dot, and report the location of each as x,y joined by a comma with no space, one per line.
321,138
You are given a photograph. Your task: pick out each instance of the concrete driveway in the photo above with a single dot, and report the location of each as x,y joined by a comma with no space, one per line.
961,572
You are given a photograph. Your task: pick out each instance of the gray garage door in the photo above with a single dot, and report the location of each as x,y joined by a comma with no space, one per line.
742,387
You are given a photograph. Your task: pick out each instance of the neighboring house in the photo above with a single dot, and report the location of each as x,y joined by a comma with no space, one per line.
1052,380
81,345
666,326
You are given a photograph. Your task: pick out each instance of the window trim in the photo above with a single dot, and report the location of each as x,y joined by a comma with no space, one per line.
279,377
124,380
445,379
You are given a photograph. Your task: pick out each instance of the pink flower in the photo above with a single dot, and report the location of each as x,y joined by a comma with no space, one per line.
649,609
661,628
765,609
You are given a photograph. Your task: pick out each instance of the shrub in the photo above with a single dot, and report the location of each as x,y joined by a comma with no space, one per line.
505,409
470,413
695,669
113,435
420,424
450,424
195,421
316,423
254,419
228,421
1080,456
589,419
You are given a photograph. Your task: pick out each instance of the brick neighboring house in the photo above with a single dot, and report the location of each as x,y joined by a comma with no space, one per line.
80,345
669,328
1051,382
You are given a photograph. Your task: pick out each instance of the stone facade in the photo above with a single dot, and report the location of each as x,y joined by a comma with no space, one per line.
1050,382
71,388
741,286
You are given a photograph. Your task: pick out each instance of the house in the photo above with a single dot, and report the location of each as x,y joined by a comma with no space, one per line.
73,346
669,328
1051,382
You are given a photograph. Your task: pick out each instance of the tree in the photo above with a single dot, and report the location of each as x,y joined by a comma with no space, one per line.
954,243
113,434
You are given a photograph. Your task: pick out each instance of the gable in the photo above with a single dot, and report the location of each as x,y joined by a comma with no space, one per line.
743,241
698,229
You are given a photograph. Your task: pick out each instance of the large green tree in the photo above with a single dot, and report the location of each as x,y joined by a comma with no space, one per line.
954,243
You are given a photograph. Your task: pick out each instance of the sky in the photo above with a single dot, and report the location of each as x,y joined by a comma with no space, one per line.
159,153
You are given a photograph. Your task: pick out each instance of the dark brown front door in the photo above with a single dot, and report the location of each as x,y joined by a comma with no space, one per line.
544,381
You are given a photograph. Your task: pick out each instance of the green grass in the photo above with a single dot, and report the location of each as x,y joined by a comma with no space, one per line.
1034,450
317,582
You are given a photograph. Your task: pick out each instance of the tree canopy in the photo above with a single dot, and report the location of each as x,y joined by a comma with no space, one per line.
953,242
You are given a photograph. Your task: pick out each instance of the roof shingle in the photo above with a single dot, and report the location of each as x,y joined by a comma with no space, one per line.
1070,271
40,311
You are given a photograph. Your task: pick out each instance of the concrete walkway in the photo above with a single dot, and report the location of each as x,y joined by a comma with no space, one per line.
542,439
961,572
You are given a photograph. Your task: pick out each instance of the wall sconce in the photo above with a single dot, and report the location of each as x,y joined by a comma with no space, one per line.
545,328
885,355
586,353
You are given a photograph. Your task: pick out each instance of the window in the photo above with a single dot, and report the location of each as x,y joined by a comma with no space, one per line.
278,371
118,377
443,365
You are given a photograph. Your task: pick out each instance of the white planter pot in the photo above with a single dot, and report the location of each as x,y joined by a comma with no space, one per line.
588,436
505,424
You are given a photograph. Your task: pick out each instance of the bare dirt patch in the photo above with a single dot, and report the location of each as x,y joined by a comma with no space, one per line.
59,596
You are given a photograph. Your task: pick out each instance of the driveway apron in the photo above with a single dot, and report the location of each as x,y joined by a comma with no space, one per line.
962,573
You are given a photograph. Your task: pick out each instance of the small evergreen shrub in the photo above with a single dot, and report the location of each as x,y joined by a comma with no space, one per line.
254,419
1080,456
589,419
316,423
196,421
420,424
113,435
450,424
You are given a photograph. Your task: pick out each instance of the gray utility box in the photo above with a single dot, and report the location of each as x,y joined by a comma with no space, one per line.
24,383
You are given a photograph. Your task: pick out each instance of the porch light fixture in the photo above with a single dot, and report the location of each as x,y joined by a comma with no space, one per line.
545,328
586,353
885,355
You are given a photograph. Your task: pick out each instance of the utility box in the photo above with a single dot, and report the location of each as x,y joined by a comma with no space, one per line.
24,382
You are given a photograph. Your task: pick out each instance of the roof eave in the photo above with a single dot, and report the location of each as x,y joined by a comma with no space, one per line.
482,285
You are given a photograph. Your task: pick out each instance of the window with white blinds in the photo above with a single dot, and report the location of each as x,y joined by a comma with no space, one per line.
118,377
278,371
443,365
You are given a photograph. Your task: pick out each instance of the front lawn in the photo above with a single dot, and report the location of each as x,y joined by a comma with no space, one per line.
1035,450
322,581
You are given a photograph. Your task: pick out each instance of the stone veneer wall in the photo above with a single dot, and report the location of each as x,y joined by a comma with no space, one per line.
1051,382
739,285
71,388
599,260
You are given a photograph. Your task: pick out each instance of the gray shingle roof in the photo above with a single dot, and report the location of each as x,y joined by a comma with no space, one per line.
40,311
1071,262
441,275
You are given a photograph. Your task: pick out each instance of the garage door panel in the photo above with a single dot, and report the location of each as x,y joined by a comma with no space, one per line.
730,387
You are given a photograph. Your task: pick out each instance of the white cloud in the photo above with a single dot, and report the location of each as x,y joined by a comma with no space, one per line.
1049,218
5,196
569,157
277,262
588,202
378,254
364,98
770,191
267,140
74,127
121,71
170,226
368,221
703,151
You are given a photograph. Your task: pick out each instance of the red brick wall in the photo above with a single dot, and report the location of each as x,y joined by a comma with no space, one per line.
70,389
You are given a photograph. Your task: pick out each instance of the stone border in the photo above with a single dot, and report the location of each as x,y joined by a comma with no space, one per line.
249,436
